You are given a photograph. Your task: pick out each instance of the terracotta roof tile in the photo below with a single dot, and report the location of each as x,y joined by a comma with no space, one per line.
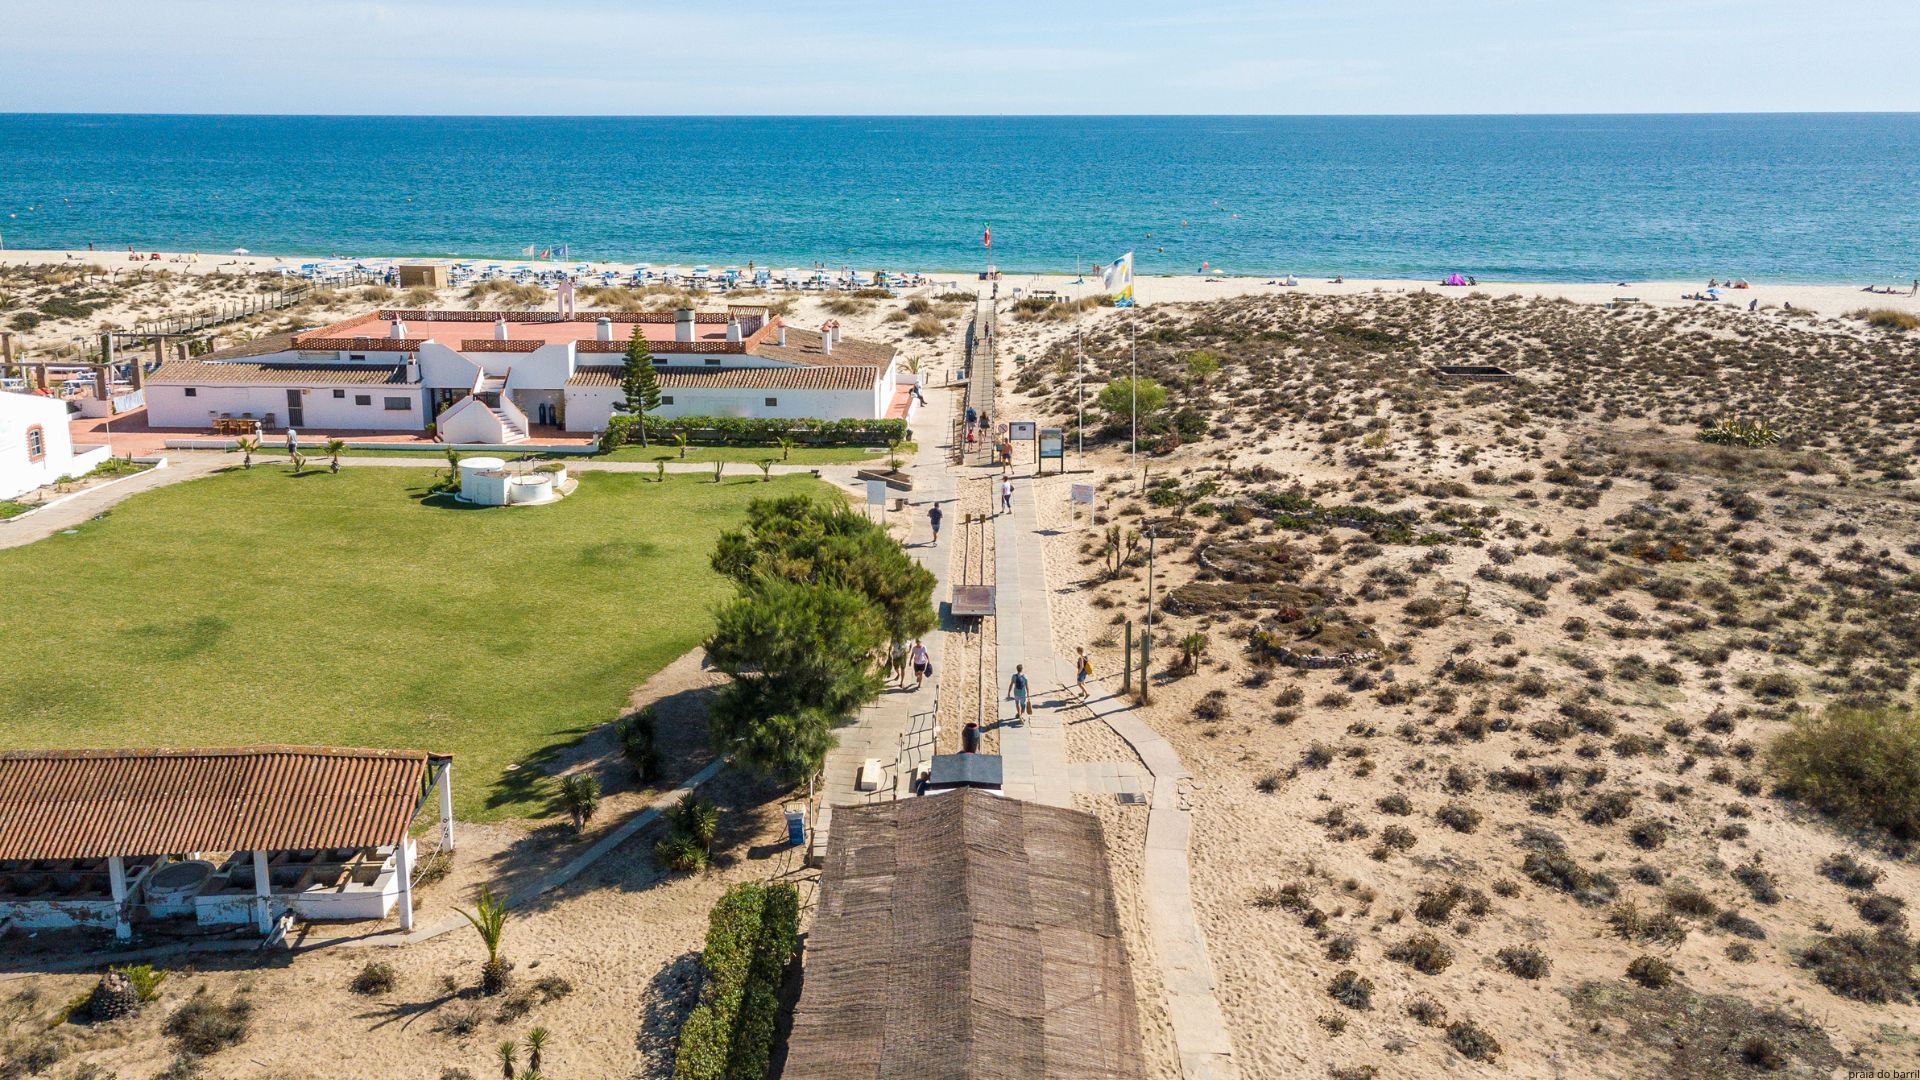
767,378
199,373
89,804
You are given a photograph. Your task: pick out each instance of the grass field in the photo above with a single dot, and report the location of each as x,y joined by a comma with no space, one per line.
353,610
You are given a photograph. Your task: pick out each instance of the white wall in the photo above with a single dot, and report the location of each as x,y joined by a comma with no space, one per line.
18,412
546,368
470,421
168,406
444,368
589,407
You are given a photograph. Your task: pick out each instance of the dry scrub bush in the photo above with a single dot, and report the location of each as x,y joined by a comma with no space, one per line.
1861,765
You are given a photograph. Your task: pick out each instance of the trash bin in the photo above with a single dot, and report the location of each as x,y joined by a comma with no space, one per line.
796,828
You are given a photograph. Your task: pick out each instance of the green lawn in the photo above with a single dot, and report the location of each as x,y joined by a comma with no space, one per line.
352,610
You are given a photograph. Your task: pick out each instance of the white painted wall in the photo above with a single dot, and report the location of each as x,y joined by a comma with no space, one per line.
18,412
169,406
445,368
589,407
470,421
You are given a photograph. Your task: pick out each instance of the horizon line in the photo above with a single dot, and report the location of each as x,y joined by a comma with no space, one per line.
954,116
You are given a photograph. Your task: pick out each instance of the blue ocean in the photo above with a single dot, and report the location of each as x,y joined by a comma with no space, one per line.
1791,198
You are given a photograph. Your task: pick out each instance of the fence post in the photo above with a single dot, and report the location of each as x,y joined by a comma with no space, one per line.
1126,678
1146,653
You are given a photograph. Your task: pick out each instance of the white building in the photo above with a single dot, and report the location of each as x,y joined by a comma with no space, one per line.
493,376
36,446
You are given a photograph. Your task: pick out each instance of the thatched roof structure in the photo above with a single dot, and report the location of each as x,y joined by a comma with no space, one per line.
965,935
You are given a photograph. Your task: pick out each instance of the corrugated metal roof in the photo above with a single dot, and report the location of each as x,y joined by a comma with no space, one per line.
198,373
89,804
766,378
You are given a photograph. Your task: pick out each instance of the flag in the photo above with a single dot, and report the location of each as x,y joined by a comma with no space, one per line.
528,250
987,238
1117,280
546,253
560,252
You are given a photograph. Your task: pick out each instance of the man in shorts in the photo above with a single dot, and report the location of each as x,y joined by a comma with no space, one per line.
922,663
1017,689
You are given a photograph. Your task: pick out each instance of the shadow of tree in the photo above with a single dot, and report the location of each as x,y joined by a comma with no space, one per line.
669,996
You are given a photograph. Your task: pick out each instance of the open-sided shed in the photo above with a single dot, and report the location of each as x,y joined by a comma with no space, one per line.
109,837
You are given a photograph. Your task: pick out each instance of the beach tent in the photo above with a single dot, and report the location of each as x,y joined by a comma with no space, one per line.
1455,279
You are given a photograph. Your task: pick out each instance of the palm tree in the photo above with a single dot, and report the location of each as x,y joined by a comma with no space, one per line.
766,470
680,440
489,919
1192,648
786,447
247,445
334,448
509,1058
536,1044
580,796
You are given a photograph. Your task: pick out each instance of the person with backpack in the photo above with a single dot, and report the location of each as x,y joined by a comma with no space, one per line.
1082,671
1017,690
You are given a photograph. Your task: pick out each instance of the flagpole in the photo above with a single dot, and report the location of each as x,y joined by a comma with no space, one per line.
1133,328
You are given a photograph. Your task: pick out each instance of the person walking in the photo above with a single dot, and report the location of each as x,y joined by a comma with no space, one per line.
1082,671
1017,690
293,443
898,662
933,519
1006,494
922,663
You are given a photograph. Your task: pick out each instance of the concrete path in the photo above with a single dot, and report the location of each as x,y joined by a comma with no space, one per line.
84,506
1033,751
881,730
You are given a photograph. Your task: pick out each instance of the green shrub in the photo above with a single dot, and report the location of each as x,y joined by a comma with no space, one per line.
1753,435
754,431
1473,1041
1874,968
1887,318
733,931
753,1035
1860,765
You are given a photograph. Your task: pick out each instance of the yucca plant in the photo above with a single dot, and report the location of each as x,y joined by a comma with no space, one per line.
536,1048
334,448
680,441
509,1054
580,797
766,470
786,447
246,447
698,818
489,919
637,742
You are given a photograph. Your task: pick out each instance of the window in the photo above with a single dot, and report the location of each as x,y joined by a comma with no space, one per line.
363,399
193,391
357,356
666,399
772,401
714,360
36,443
339,393
398,404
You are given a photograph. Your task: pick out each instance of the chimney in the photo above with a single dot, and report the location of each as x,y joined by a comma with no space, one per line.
603,330
783,336
827,331
398,331
413,370
499,329
683,325
733,330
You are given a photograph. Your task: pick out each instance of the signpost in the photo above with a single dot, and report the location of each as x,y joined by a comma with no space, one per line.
877,495
1052,445
1083,495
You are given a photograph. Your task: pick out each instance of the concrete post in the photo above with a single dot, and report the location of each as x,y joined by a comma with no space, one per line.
262,892
403,870
117,878
103,381
446,805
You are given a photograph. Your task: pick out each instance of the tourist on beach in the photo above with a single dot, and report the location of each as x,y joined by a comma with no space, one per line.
1017,690
1006,494
922,663
933,519
1082,670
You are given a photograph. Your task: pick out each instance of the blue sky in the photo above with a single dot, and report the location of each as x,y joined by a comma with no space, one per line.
984,56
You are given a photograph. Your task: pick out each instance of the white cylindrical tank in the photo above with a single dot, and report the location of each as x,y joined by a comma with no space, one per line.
531,488
469,467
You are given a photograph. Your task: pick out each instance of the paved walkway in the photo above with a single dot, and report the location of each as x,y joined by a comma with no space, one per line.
84,506
1033,752
881,731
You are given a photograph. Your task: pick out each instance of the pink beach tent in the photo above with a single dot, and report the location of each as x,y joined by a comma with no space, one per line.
1455,279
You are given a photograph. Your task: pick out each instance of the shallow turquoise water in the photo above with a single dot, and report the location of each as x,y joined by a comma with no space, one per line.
1776,197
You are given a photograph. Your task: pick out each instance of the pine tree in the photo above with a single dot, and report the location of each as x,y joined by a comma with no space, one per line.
637,379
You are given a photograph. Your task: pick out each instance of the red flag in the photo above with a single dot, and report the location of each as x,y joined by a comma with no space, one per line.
988,238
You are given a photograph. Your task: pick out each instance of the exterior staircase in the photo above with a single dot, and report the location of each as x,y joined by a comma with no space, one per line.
514,432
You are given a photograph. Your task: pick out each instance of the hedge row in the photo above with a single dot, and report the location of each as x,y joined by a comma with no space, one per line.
751,936
755,431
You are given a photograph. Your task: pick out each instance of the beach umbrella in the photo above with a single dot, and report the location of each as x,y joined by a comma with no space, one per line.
241,251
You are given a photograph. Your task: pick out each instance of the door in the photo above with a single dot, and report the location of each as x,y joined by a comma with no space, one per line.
296,417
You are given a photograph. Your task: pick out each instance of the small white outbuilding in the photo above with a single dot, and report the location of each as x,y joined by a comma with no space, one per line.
36,447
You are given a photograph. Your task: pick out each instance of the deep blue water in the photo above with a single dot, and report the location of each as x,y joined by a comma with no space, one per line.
1805,198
